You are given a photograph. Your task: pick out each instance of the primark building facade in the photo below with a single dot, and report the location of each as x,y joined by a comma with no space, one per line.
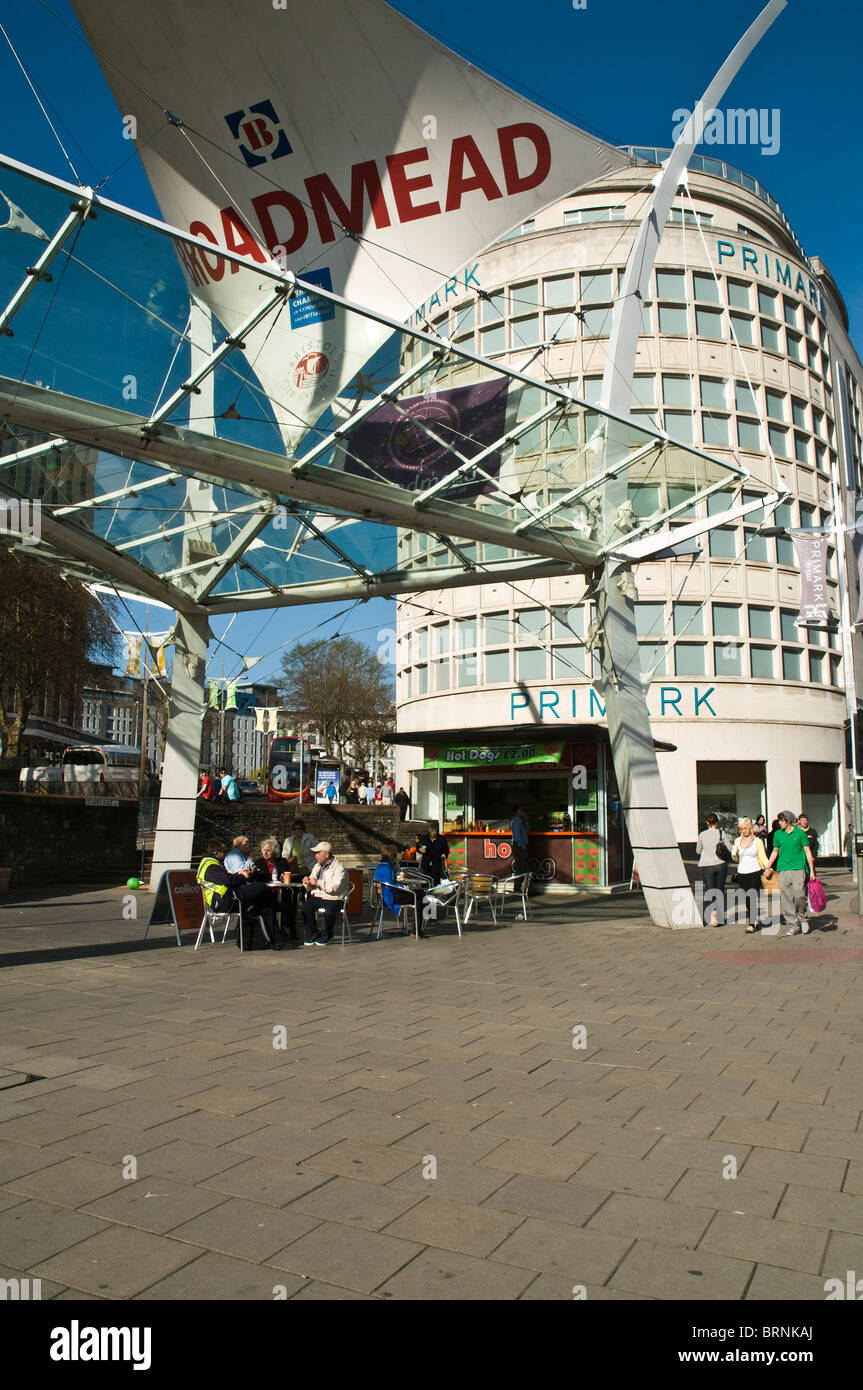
498,704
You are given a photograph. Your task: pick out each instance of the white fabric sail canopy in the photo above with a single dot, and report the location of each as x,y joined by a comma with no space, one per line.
340,142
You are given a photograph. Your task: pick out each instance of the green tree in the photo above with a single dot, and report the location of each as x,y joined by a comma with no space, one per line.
51,629
339,688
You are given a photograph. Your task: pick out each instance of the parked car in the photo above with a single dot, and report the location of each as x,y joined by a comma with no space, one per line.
248,787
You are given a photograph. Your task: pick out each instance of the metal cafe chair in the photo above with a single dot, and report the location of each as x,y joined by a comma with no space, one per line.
213,919
346,927
480,888
451,898
516,886
399,908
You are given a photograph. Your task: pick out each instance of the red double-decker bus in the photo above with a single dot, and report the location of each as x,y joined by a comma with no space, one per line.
289,770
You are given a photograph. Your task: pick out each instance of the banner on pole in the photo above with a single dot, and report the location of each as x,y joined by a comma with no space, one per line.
812,558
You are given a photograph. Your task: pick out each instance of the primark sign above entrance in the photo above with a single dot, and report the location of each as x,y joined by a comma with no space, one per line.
664,702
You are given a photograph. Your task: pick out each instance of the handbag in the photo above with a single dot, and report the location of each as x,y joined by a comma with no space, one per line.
817,896
723,852
770,885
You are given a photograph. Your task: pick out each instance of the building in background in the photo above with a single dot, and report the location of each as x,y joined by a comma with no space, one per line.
744,348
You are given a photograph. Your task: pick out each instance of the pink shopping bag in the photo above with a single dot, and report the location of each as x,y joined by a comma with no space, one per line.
817,896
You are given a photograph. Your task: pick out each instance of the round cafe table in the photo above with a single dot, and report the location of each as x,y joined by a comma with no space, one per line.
295,889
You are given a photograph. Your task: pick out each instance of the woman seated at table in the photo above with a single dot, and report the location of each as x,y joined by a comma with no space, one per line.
393,892
271,868
239,855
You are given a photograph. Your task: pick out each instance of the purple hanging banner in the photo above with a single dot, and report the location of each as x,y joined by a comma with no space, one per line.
812,557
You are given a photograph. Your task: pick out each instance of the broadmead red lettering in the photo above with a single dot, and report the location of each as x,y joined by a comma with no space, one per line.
365,179
238,238
404,187
264,205
215,270
465,152
517,182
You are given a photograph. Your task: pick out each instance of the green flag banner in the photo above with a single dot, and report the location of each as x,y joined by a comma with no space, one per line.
492,755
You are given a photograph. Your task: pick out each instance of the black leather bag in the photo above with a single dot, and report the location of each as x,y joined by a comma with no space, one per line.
723,852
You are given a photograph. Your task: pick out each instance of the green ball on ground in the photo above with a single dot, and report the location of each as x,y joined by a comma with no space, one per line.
133,883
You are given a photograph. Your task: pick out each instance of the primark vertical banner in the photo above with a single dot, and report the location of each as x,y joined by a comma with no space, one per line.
812,558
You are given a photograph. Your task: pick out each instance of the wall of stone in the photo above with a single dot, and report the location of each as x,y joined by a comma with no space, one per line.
353,831
62,839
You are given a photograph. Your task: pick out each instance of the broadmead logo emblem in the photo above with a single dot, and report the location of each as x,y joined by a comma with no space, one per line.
259,134
311,369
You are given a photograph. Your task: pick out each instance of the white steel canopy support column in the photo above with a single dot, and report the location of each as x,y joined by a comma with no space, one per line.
667,893
175,828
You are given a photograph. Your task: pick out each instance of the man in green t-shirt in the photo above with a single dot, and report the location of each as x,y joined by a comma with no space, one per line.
791,854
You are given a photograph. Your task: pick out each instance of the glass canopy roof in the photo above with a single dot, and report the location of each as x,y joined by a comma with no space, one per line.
158,461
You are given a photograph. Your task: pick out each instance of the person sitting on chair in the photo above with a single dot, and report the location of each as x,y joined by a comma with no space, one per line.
271,867
239,856
222,890
393,893
328,885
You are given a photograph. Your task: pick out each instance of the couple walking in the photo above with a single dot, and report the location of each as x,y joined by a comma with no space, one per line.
791,854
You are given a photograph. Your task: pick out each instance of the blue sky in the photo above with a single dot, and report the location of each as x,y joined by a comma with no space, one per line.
619,68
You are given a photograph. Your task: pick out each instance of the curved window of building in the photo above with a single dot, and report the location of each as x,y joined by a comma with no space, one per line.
713,393
778,439
596,323
775,404
529,622
670,284
464,320
748,434
761,662
649,619
422,678
816,668
466,670
726,620
492,340
496,667
705,288
801,449
568,623
441,675
525,332
673,321
742,328
789,310
760,622
678,424
561,325
497,629
744,398
723,543
559,290
788,625
767,302
728,658
531,664
836,671
595,285
644,498
690,659
714,430
770,336
795,352
798,413
440,639
493,306
652,658
790,665
738,294
680,496
523,297
688,619
676,390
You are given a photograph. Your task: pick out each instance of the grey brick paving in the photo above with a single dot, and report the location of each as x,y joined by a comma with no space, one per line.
303,1173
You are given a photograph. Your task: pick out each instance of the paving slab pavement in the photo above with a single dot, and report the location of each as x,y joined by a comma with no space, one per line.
582,1099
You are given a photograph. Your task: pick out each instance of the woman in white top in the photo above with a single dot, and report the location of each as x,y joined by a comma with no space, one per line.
751,858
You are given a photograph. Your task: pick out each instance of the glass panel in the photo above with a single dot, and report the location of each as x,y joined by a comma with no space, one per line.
677,496
492,340
744,398
670,284
719,502
652,656
688,618
560,290
761,661
801,448
525,332
643,390
568,622
676,390
836,671
770,337
713,393
595,286
816,668
465,317
465,634
441,675
738,294
596,323
440,639
561,325
715,429
723,543
766,302
678,424
726,620
790,665
524,296
529,622
496,629
465,670
689,659
778,439
794,350
531,664
422,678
728,659
496,667
788,626
748,434
790,311
493,307
742,328
760,622
673,320
708,323
706,288
775,404
649,619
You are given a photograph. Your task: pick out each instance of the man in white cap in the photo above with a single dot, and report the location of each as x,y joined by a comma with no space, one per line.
328,884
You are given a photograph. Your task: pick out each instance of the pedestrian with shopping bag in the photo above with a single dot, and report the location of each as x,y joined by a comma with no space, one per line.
791,854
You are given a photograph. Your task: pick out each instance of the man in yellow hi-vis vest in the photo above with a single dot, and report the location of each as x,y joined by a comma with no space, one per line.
222,890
